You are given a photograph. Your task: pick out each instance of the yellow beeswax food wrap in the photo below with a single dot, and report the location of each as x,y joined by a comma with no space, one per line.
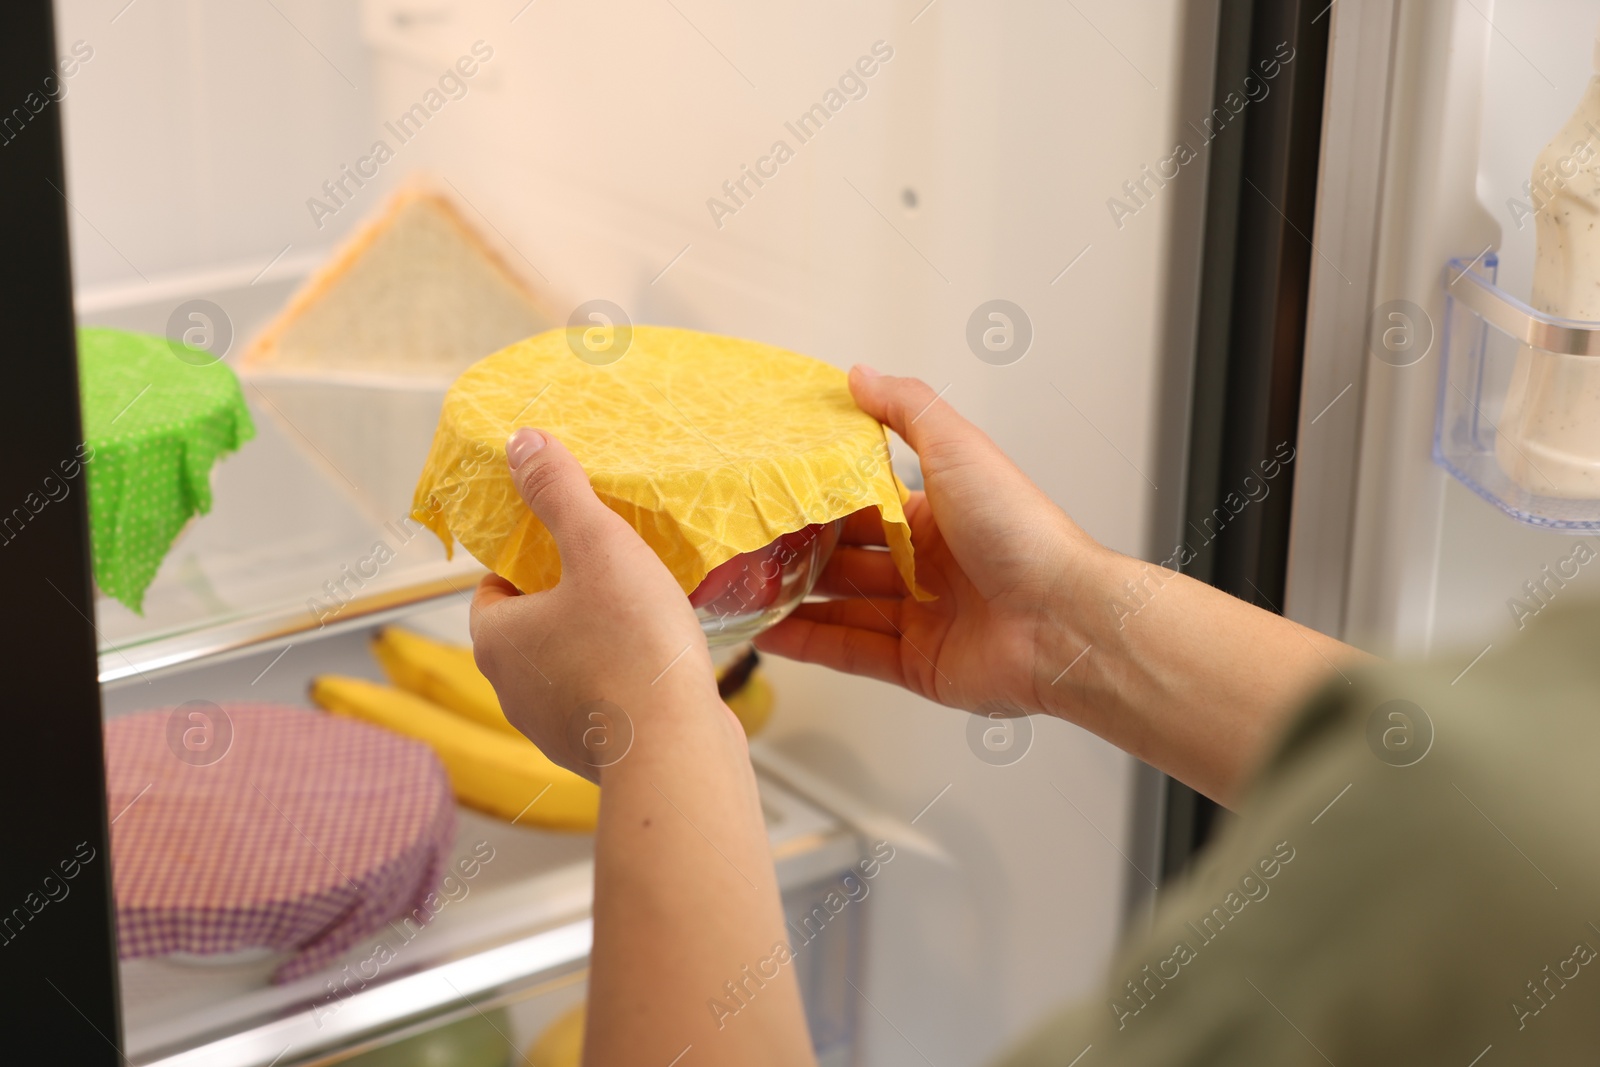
708,446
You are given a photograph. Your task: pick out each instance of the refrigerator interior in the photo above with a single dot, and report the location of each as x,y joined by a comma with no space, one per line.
975,164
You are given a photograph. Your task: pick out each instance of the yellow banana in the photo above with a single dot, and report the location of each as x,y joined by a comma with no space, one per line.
752,703
445,674
489,770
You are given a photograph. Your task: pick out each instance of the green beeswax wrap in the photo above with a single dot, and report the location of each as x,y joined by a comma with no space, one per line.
156,416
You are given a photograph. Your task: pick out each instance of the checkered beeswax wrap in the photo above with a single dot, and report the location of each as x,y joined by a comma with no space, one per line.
301,832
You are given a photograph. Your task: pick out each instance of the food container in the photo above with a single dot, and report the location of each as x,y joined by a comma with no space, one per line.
736,462
753,590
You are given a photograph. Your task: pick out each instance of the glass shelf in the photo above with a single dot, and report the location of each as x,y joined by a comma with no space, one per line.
518,937
522,930
290,548
1519,402
282,554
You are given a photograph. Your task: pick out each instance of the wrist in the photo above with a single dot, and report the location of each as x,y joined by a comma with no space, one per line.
680,727
1080,636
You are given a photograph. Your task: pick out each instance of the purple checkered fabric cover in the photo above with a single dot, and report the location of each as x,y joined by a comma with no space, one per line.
307,833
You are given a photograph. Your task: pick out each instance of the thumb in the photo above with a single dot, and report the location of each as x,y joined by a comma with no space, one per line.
556,489
911,408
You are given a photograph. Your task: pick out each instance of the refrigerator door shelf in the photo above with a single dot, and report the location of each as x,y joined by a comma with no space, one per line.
1519,400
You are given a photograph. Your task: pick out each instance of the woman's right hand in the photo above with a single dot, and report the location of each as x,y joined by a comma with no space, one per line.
1195,682
997,554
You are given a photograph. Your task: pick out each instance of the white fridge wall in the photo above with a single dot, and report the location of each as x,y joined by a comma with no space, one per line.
589,143
193,127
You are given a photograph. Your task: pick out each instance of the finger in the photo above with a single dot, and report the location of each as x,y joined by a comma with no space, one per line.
492,590
871,655
858,572
911,408
864,527
875,616
557,491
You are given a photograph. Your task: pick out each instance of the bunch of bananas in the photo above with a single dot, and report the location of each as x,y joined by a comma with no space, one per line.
440,697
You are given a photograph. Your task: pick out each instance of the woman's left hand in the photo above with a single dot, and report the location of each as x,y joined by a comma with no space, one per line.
609,674
616,632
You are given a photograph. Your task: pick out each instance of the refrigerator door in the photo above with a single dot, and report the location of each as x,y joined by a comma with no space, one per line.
1435,115
57,951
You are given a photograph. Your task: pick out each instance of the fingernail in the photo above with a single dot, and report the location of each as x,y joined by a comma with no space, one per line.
521,445
868,372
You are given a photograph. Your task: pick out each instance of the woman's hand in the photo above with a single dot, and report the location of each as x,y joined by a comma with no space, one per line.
680,812
616,632
997,553
1032,615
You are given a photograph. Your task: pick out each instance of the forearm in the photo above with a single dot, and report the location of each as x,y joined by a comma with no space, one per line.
688,925
1193,681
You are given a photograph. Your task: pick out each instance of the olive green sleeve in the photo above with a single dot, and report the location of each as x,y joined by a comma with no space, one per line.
1414,879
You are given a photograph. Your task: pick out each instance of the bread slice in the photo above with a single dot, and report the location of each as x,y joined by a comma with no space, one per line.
417,292
355,367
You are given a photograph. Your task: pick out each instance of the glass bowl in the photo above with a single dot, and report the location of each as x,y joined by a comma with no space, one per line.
753,590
